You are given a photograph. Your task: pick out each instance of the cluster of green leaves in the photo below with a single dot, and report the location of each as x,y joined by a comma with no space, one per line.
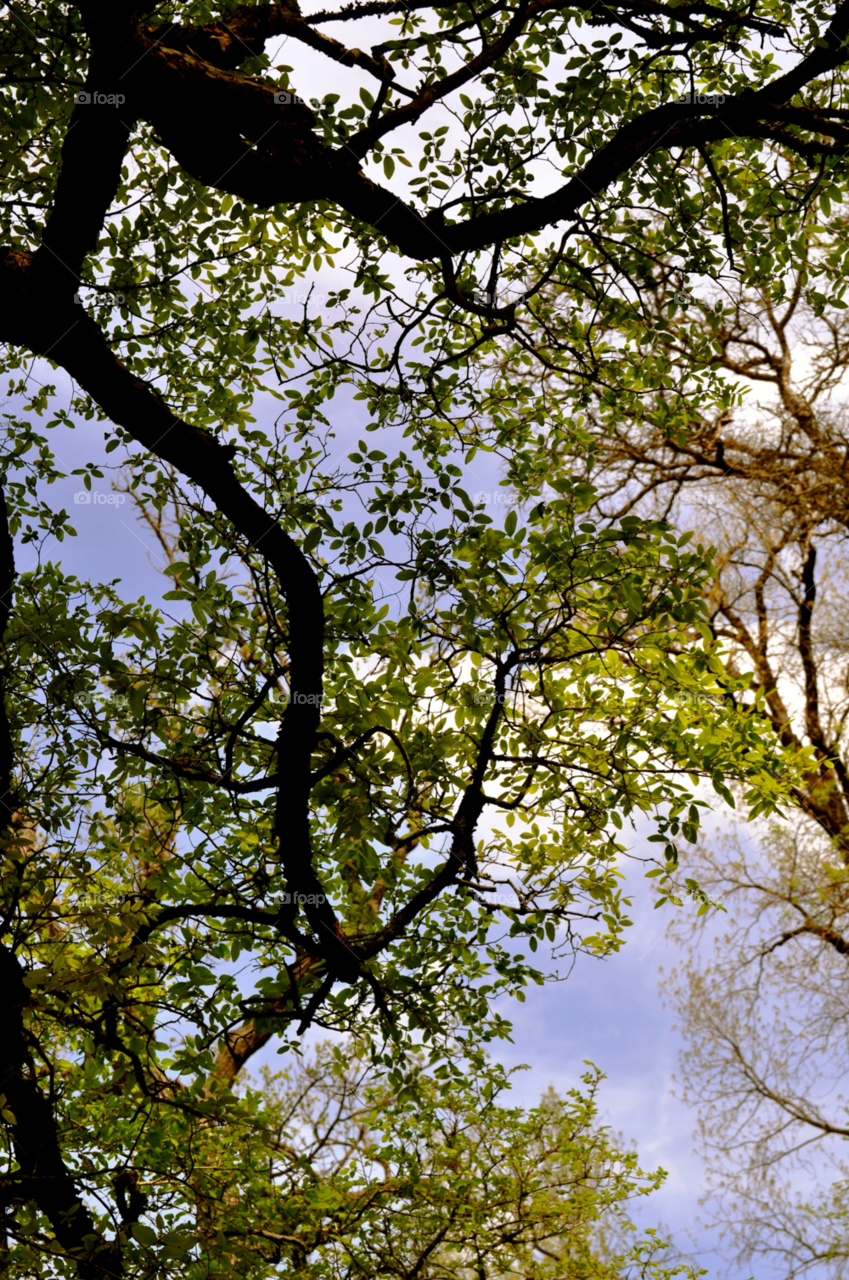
332,1176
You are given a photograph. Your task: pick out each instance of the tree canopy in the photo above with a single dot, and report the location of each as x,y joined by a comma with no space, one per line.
369,742
762,473
762,1011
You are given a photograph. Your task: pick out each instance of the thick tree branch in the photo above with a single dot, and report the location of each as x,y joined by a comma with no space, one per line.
461,856
42,1174
92,155
227,44
240,1044
7,751
806,651
191,773
229,132
48,323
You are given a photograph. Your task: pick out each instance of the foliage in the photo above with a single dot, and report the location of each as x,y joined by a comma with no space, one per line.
334,1177
368,741
761,1002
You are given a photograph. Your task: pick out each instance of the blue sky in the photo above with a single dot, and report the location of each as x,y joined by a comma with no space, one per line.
611,1012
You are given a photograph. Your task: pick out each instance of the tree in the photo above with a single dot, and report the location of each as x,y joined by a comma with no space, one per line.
762,472
289,757
459,1186
140,885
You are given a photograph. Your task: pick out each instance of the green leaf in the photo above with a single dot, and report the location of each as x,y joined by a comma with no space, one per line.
143,1234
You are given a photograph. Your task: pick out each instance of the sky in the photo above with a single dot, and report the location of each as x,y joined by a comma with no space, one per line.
611,1012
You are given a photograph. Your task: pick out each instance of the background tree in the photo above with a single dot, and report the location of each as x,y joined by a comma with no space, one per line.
762,472
258,803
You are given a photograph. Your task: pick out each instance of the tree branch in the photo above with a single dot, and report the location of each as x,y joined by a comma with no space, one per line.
43,1175
204,114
